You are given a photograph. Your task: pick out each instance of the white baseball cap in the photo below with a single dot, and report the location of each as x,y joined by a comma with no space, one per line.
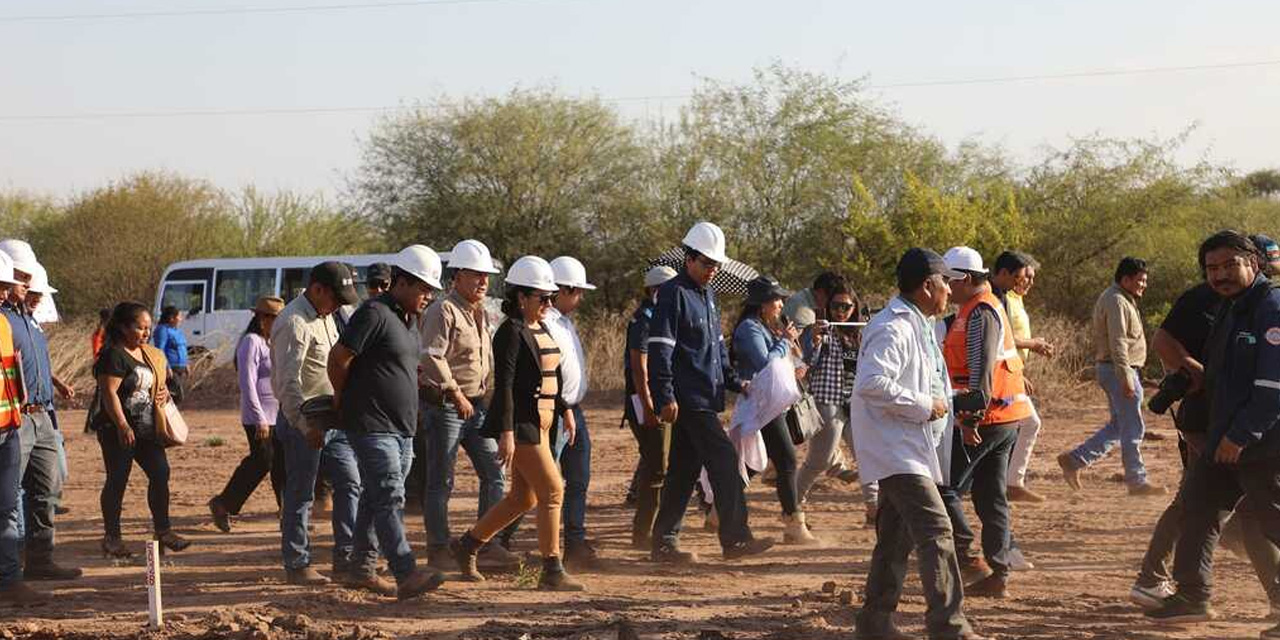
963,259
658,275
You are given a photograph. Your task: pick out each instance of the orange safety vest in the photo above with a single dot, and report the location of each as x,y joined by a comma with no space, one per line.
1009,401
10,398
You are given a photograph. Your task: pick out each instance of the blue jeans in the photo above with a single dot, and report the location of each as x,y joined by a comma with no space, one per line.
303,464
384,460
10,457
575,465
1125,427
444,431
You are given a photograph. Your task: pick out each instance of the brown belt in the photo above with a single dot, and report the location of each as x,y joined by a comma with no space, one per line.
28,409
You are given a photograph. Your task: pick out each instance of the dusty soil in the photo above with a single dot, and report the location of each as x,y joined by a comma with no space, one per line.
1086,547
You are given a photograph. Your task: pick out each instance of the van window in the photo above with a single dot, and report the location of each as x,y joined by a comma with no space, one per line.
292,282
188,297
241,288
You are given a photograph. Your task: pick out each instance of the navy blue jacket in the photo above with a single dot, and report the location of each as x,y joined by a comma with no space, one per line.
688,359
1243,373
33,345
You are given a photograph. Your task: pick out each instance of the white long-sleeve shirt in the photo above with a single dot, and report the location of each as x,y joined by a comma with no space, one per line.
893,392
573,360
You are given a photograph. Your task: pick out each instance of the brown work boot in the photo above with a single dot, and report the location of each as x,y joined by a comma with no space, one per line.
221,517
581,554
365,581
1147,489
464,553
18,593
555,578
974,568
40,566
306,576
992,586
1070,470
419,582
495,557
1023,494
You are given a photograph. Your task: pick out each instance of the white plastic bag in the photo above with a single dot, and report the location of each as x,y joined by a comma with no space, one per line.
772,392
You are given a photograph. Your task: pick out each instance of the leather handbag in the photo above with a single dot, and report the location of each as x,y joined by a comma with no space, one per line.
802,419
171,427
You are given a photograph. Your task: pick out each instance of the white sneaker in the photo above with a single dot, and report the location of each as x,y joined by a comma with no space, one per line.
1018,561
1150,597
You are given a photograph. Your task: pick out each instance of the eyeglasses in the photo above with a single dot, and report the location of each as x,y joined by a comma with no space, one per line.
708,263
547,299
842,306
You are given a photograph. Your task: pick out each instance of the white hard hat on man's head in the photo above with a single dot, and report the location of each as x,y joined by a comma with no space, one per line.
707,239
532,272
420,262
472,255
569,272
658,275
20,252
6,269
963,259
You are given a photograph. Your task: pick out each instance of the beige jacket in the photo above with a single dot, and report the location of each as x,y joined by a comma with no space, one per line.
456,350
1118,337
300,344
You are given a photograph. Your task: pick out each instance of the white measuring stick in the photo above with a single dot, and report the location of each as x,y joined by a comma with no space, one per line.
155,607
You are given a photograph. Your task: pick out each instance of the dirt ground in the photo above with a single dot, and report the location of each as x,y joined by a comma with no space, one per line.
1086,547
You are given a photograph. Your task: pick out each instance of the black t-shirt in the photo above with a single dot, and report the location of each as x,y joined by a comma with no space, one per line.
1191,318
637,340
135,391
381,394
1189,322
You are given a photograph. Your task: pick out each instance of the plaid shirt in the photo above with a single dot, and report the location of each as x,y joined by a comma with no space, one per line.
831,370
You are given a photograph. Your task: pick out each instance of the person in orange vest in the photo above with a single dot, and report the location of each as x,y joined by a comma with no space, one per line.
990,400
12,587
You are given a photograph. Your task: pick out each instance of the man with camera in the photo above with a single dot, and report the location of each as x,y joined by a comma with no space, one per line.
990,401
1240,456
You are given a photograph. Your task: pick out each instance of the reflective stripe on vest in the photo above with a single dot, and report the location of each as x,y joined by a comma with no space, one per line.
1009,400
10,405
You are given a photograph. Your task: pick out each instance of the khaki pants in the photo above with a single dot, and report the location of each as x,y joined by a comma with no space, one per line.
535,481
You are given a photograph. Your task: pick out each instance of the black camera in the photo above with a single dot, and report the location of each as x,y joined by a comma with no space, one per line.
1173,388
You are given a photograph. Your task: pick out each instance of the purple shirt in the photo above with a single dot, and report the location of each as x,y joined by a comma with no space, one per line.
253,369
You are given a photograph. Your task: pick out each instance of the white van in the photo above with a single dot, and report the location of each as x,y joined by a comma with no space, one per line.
217,296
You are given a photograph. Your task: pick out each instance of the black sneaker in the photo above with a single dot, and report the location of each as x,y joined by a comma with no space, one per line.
671,554
1177,609
754,546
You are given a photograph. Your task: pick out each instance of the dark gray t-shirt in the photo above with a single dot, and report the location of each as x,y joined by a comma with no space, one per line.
381,395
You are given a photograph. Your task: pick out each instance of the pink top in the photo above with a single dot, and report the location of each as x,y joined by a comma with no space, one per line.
258,403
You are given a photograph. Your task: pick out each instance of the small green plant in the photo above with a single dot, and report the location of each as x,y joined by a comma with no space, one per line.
527,575
214,442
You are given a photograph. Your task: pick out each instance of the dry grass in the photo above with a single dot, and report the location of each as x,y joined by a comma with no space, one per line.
1068,375
604,337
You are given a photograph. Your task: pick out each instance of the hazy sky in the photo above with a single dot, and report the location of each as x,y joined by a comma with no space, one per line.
389,56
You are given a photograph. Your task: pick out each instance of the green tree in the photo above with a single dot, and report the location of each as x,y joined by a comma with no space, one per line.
114,243
288,224
529,173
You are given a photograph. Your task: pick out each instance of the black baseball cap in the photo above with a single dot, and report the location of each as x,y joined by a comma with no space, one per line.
379,272
765,289
918,264
1267,247
336,276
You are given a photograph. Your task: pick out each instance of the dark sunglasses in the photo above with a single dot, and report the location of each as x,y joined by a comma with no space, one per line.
708,263
842,306
547,299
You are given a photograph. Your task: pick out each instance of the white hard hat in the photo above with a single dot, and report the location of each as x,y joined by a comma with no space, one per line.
472,255
40,281
420,262
24,259
658,275
963,259
707,239
532,272
6,269
570,273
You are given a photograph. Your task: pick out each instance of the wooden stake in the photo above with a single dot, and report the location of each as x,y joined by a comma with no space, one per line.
155,606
